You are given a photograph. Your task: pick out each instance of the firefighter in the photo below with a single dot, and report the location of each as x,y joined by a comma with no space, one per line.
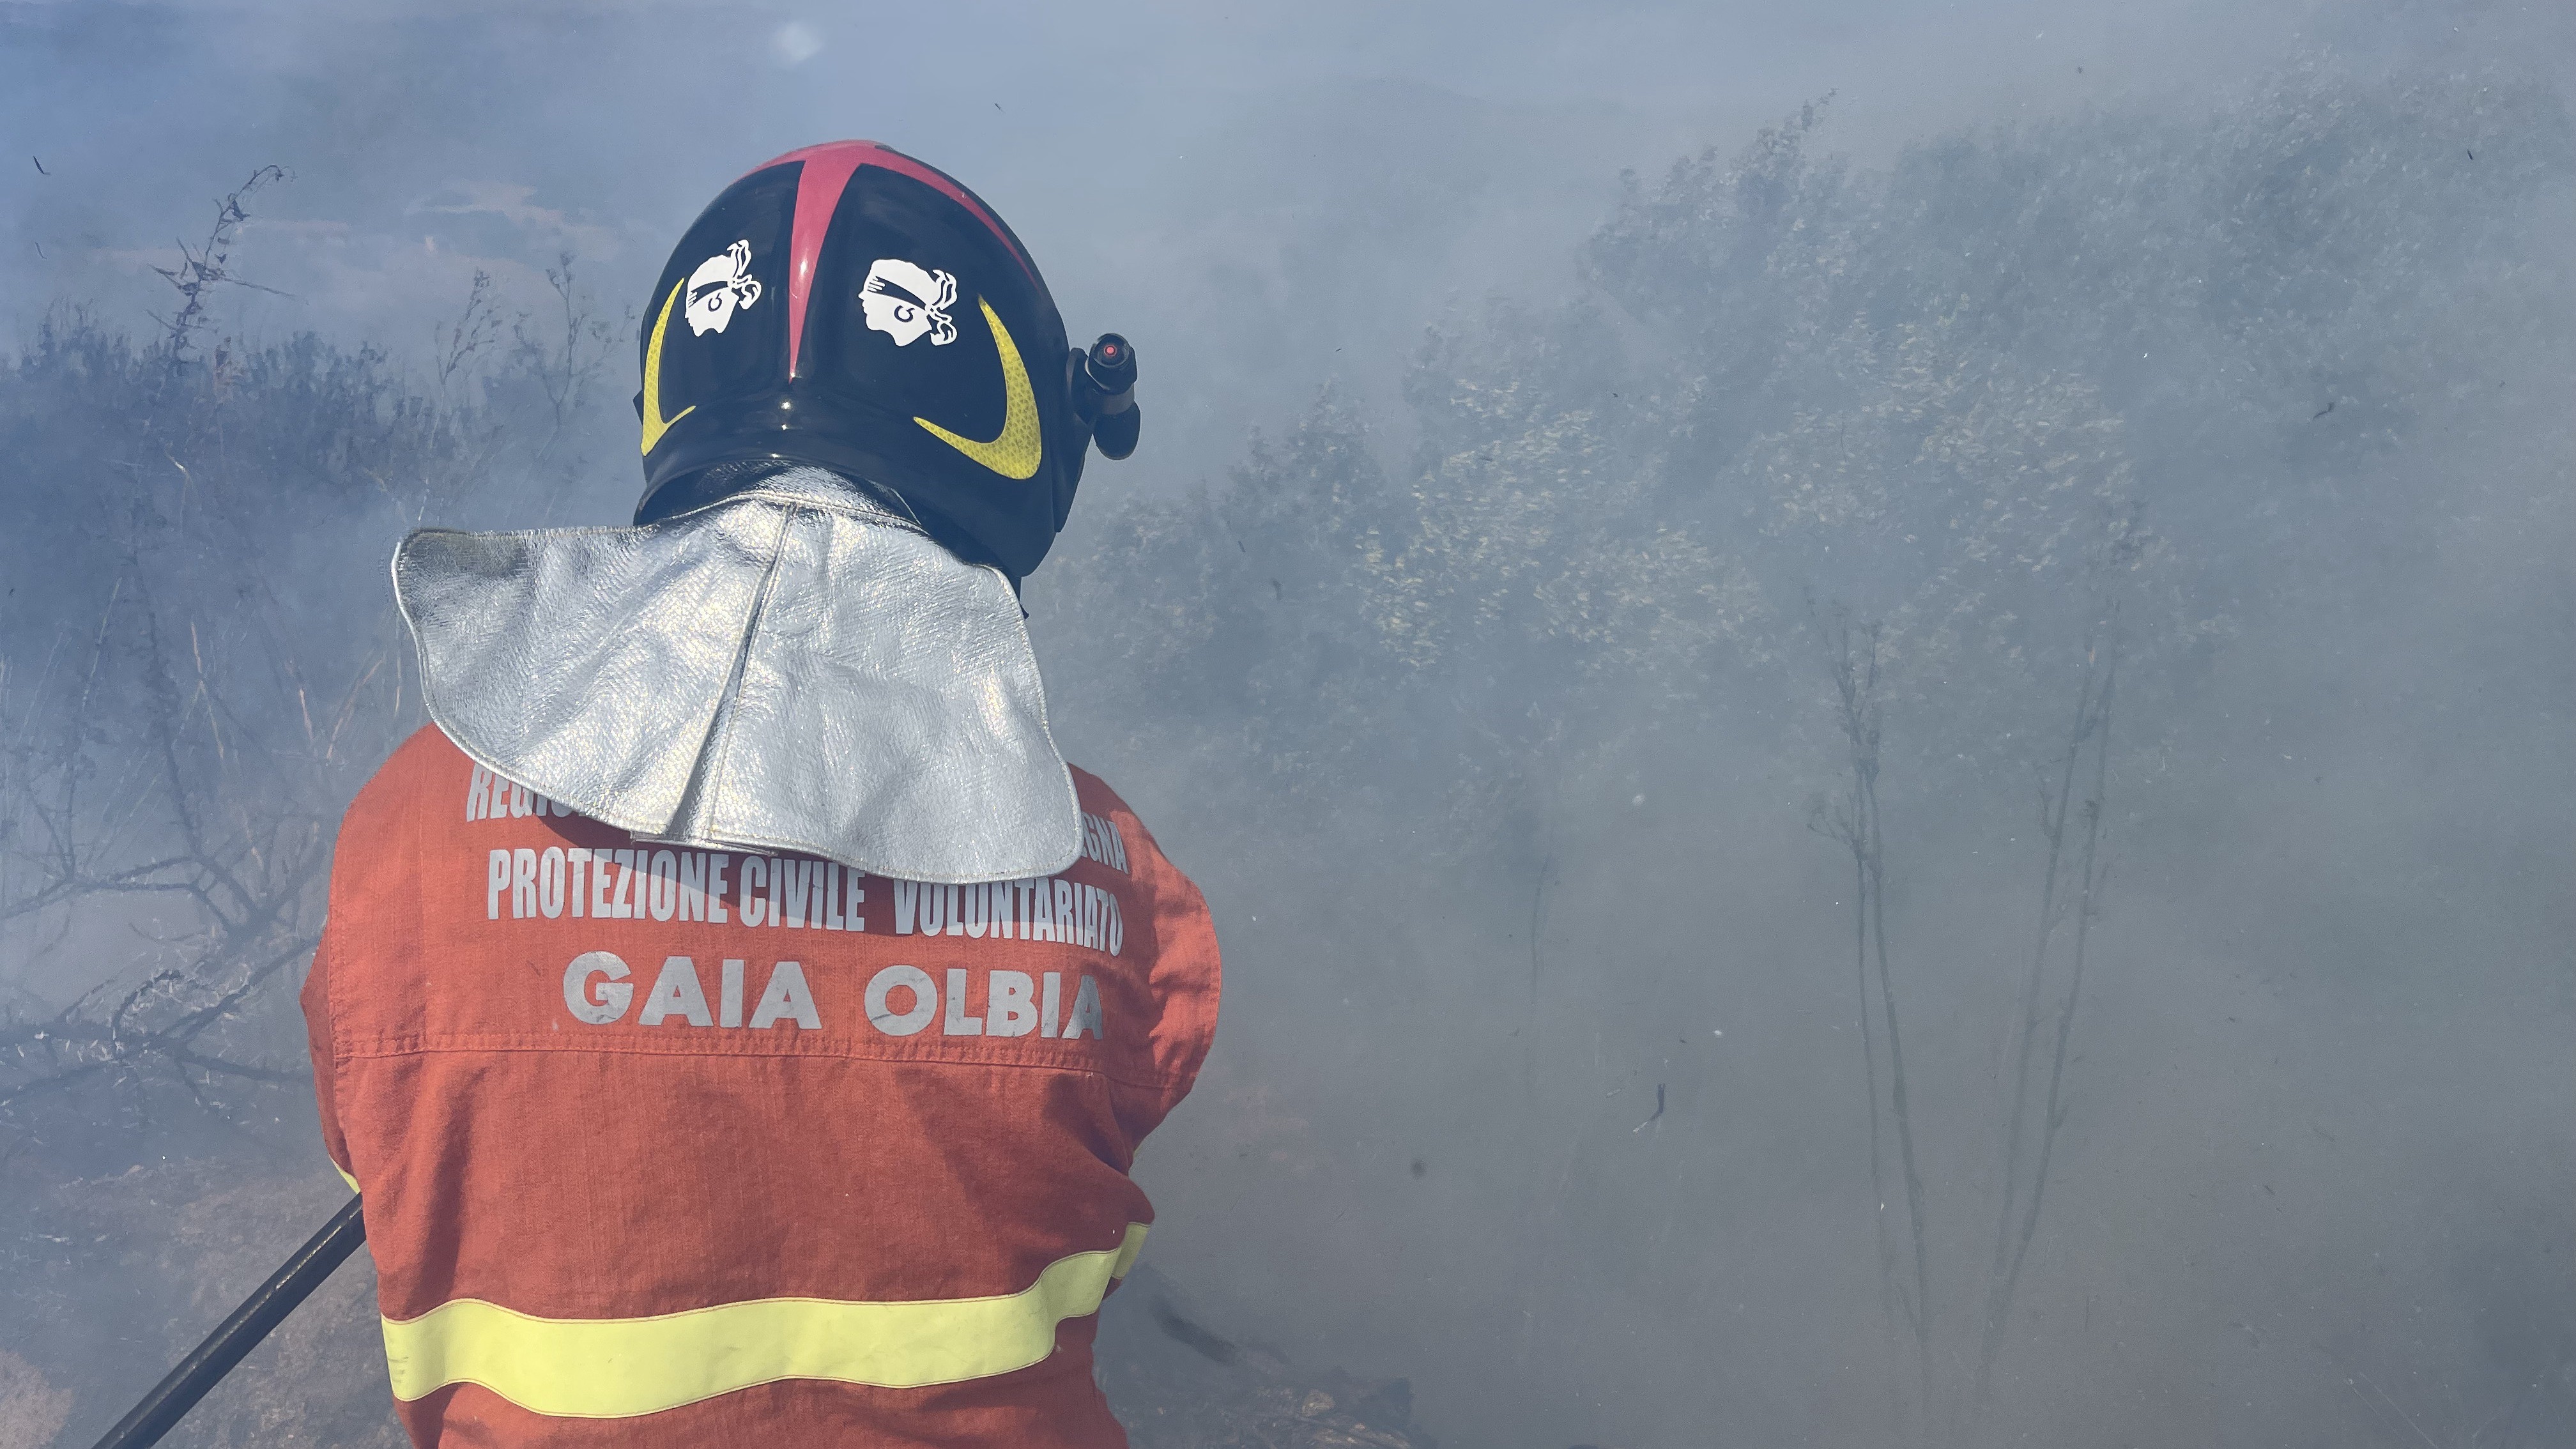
737,1017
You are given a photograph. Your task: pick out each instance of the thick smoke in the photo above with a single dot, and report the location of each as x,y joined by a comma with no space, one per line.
1900,782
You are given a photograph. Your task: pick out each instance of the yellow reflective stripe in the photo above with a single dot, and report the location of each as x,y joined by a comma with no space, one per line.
655,425
1020,446
345,1177
616,1368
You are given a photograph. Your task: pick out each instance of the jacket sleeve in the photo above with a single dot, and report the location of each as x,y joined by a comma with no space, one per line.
1186,967
317,1034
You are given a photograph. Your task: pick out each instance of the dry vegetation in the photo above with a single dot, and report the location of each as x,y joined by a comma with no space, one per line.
1886,422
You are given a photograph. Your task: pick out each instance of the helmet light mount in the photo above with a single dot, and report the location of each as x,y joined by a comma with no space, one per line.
1103,383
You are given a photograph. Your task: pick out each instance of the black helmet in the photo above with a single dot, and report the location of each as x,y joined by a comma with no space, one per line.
849,307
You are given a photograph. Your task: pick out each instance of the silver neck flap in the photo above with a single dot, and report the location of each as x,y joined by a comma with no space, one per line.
795,668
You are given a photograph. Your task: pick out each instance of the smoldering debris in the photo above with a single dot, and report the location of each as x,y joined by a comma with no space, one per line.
1182,1331
156,1257
1177,1384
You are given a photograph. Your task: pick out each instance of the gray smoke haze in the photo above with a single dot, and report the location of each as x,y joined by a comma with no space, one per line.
1639,579
1274,198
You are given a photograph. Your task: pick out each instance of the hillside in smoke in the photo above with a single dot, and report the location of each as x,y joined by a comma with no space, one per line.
1927,808
2084,567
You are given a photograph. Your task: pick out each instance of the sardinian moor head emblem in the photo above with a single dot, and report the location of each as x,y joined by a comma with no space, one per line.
904,301
721,284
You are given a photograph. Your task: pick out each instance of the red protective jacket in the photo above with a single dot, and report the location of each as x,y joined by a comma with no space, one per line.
679,1147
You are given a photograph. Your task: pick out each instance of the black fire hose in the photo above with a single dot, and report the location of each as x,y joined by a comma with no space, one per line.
165,1406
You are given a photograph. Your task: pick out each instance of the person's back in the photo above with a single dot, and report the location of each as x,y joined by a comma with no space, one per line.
661,1143
773,1075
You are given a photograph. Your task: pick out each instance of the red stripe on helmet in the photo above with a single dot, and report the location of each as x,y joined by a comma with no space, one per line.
827,173
818,190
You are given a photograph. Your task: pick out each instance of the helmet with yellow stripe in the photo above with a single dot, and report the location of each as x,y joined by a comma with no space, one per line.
849,307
